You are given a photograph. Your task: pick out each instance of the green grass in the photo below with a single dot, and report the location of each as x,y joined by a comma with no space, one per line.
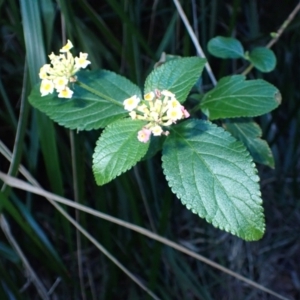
120,36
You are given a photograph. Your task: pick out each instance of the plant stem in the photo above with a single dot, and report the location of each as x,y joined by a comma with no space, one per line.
194,40
277,35
19,184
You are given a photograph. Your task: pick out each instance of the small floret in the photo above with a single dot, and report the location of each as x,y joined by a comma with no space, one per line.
144,135
81,61
131,103
46,87
156,130
66,93
160,109
66,47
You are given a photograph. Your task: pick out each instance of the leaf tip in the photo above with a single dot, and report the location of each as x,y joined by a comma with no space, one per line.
278,97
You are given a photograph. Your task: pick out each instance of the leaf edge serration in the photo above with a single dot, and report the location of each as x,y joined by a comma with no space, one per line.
122,171
254,177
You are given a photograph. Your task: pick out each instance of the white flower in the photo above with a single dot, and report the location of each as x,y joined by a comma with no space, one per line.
167,94
131,103
44,70
156,130
174,103
149,96
60,83
61,71
66,93
66,47
81,61
46,87
174,114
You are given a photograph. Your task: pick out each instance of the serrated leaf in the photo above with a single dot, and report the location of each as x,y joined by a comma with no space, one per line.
86,110
235,97
225,47
250,134
118,149
263,59
177,75
214,176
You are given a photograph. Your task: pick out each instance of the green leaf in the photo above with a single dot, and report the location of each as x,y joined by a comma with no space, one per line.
249,132
87,110
118,149
214,176
177,75
225,47
235,97
263,59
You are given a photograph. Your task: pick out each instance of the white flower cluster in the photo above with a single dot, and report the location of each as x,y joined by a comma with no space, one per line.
60,72
159,108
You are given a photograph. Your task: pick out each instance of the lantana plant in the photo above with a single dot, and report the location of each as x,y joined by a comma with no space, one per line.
208,167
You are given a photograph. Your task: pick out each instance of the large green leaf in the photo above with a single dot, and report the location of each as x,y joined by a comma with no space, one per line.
263,59
250,134
225,47
236,97
87,110
118,149
177,75
214,176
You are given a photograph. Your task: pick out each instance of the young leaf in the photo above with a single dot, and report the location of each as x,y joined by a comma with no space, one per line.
235,97
87,110
178,76
214,176
225,47
118,149
250,134
263,59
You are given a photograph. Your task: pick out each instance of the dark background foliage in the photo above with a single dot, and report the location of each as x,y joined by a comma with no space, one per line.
128,37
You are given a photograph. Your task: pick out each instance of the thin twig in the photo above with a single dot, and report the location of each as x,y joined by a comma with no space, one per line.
194,40
19,184
284,25
28,176
38,284
13,168
277,35
101,248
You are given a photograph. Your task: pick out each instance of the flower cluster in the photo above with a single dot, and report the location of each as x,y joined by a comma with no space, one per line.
58,74
159,108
